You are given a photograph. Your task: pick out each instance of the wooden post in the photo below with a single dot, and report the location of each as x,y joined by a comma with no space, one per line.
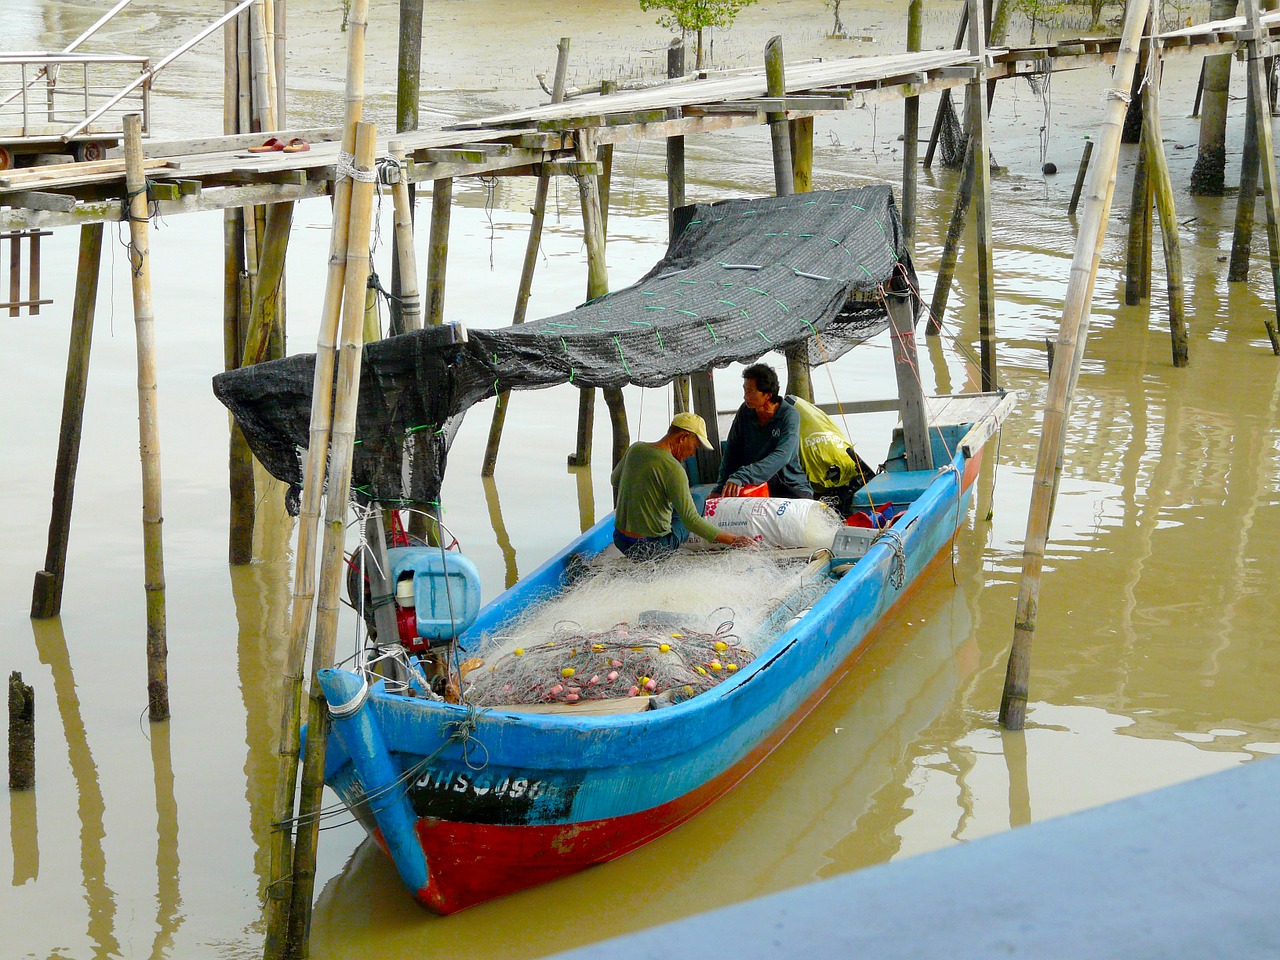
332,563
675,145
280,55
1207,175
1162,187
148,419
800,136
911,132
605,153
438,249
46,598
980,134
1072,335
676,192
22,734
704,405
409,305
1080,175
1247,199
244,70
408,91
776,84
1136,245
263,94
944,99
530,263
906,368
951,245
597,286
1266,151
280,888
263,314
798,381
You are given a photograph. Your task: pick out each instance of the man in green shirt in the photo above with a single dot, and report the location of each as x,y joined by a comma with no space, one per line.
651,486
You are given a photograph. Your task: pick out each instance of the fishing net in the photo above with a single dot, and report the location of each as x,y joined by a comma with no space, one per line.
669,629
952,138
740,278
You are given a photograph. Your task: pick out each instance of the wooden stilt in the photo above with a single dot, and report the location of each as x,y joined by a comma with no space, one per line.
438,250
944,99
46,598
704,405
1136,245
597,286
244,72
1247,198
1266,151
332,563
409,307
1208,173
236,308
951,245
281,887
264,100
266,291
980,134
408,88
1072,336
148,420
911,132
676,192
605,153
1162,187
1080,175
22,734
800,135
526,271
798,380
911,408
281,50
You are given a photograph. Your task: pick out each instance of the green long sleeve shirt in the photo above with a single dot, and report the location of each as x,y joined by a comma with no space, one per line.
650,484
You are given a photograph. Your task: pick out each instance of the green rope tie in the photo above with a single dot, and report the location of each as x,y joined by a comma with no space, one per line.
618,342
762,336
714,338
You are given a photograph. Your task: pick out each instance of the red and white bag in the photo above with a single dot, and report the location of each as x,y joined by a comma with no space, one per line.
776,521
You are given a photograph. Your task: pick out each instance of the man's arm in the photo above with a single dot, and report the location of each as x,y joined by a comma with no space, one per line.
782,450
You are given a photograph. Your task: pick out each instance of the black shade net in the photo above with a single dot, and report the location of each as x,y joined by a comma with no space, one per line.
741,278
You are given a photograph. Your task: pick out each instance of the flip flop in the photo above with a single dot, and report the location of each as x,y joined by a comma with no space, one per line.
268,146
296,145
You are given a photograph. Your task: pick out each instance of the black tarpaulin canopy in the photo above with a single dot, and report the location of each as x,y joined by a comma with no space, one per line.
741,278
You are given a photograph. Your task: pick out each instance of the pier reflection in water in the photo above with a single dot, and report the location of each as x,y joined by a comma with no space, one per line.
1154,659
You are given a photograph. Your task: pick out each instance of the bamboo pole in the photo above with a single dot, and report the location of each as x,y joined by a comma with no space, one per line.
410,303
1266,151
332,564
539,213
148,419
269,34
280,888
800,136
1162,187
438,249
798,380
911,131
281,49
46,599
1072,335
980,131
264,100
244,96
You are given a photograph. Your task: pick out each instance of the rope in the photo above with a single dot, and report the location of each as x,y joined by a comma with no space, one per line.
346,168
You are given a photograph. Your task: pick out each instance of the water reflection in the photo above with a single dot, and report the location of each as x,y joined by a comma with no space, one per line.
500,531
51,645
169,915
24,837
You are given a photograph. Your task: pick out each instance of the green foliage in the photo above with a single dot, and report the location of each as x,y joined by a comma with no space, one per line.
1039,12
693,15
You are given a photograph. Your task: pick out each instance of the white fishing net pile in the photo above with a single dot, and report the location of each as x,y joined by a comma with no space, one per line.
671,628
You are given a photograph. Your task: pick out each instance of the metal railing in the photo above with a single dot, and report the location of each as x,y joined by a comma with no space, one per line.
60,95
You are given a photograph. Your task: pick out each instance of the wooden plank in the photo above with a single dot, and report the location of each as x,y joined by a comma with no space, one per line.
38,200
583,708
985,427
190,147
69,174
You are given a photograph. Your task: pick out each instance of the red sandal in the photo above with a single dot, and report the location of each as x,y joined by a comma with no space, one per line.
268,146
296,145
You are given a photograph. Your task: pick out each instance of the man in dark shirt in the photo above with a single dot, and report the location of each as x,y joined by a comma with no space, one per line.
764,441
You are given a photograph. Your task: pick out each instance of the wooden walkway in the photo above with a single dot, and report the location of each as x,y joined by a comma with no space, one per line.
218,173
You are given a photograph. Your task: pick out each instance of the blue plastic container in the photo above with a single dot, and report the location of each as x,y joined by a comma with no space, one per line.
446,589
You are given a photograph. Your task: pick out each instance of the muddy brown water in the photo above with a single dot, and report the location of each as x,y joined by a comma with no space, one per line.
1155,660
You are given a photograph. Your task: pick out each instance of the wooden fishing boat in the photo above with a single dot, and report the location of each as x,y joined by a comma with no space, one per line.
473,802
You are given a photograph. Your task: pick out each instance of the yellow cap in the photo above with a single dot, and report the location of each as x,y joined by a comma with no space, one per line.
694,424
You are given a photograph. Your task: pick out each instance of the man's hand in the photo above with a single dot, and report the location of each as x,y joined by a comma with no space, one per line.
731,489
733,540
